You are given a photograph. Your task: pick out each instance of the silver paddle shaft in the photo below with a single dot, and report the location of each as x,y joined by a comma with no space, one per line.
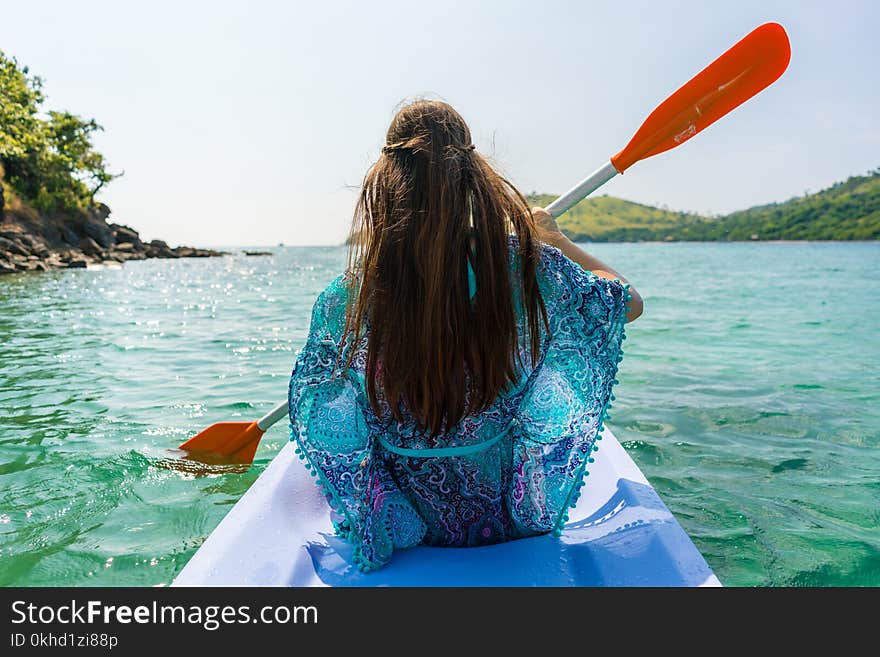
273,416
583,189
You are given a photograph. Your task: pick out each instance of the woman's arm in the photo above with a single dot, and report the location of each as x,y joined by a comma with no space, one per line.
549,232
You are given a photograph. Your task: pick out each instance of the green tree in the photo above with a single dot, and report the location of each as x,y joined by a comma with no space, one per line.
48,160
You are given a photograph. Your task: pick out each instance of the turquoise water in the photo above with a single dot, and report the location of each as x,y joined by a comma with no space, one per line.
749,397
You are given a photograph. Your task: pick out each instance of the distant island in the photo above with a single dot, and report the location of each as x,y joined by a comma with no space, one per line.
848,210
50,174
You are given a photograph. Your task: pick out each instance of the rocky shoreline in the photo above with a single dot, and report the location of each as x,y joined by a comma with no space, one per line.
30,241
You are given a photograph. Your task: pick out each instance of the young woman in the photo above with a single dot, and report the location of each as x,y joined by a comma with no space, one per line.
456,375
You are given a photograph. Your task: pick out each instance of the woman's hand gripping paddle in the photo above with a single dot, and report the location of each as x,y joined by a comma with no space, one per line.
749,66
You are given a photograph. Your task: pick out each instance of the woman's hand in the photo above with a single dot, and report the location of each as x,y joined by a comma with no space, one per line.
548,229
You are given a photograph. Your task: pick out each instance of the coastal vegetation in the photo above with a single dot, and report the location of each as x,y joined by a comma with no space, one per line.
848,210
50,174
48,157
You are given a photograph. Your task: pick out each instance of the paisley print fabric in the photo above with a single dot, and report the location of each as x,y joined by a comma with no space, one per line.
511,471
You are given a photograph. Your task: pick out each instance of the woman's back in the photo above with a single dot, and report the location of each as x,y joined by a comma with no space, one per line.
510,470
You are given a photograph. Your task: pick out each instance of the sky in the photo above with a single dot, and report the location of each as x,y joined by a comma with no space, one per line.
253,122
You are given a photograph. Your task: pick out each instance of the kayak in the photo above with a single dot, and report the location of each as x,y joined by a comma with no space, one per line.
619,534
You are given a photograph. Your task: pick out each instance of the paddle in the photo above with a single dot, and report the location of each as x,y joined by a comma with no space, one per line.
234,442
749,66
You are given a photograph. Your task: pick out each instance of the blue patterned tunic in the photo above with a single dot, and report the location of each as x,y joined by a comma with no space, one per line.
511,471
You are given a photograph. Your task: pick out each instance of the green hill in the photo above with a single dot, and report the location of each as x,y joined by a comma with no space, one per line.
848,210
610,219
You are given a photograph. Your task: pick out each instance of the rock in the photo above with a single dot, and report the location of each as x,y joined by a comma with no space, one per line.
98,231
68,236
49,235
73,254
160,249
102,212
10,234
13,246
127,254
124,234
203,253
33,245
54,261
25,240
41,250
90,247
30,240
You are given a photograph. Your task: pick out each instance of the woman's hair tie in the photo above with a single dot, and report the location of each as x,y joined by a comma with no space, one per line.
418,144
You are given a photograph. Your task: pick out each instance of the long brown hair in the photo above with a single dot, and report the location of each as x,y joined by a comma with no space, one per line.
431,349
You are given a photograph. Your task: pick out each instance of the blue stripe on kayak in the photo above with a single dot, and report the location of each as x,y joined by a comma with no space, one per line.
641,552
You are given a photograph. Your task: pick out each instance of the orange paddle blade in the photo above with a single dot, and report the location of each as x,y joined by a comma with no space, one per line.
228,442
751,65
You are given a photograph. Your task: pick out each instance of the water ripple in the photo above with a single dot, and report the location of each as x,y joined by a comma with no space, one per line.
748,395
